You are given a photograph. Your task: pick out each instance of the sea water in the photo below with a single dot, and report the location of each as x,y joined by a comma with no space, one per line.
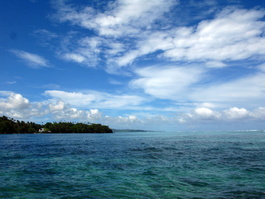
133,165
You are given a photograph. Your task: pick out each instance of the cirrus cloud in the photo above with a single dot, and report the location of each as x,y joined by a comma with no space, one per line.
214,41
121,17
31,59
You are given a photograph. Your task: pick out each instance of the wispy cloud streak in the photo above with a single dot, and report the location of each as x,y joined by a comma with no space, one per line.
31,59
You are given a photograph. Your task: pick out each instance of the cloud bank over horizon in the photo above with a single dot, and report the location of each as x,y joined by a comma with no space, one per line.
16,106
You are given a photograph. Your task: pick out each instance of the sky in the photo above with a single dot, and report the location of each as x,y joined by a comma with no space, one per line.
169,65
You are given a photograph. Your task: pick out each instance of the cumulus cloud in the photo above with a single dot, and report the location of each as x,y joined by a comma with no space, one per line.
205,113
71,113
200,114
59,106
227,115
14,101
259,113
236,113
31,59
123,121
16,106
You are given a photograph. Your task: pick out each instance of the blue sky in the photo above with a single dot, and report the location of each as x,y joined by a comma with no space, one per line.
159,65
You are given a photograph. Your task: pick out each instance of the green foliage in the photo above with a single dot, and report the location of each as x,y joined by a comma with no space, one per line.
11,126
68,127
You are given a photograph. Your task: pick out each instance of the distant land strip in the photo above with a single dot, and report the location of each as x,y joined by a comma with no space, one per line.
12,126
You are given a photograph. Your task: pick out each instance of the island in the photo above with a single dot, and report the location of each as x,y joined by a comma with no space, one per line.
12,126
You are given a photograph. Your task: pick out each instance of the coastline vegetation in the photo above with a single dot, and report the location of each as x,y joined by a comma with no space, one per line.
12,126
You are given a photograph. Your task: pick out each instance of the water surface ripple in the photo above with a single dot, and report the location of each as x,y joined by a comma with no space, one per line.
133,165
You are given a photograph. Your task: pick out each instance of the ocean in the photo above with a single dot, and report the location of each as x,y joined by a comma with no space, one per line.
133,165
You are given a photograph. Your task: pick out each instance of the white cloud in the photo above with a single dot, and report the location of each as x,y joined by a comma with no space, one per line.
70,114
73,98
92,43
166,82
31,59
59,106
97,99
212,41
120,17
123,119
14,101
16,106
222,38
259,113
205,113
186,84
74,57
84,51
129,19
127,58
128,30
200,114
149,42
247,91
236,113
207,105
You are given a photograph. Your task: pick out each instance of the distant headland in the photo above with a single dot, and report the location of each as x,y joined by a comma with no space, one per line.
12,126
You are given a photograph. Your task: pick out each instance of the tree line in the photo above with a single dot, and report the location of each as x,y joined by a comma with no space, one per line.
12,126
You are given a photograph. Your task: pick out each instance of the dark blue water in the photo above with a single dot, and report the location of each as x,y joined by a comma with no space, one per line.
133,165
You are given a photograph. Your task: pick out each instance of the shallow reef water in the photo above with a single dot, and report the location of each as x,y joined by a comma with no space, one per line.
133,165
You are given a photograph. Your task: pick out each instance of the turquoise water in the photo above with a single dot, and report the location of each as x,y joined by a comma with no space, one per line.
133,165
